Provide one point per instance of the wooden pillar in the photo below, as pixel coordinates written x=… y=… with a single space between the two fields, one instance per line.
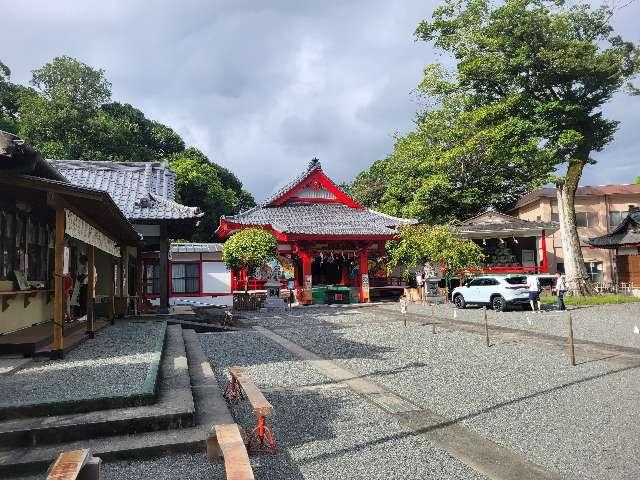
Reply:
x=123 y=266
x=544 y=268
x=164 y=270
x=364 y=277
x=58 y=313
x=91 y=290
x=307 y=279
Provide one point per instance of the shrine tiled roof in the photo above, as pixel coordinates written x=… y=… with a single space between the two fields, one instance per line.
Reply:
x=321 y=219
x=496 y=222
x=627 y=233
x=142 y=190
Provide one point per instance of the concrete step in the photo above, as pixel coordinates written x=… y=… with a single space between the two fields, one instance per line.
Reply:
x=36 y=460
x=199 y=326
x=174 y=409
x=210 y=409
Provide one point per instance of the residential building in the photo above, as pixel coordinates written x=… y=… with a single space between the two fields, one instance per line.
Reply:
x=599 y=209
x=625 y=240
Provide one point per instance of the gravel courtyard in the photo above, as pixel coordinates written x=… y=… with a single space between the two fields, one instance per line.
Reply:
x=322 y=427
x=576 y=421
x=613 y=324
x=115 y=363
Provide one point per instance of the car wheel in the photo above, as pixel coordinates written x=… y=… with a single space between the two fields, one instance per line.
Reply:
x=459 y=302
x=498 y=303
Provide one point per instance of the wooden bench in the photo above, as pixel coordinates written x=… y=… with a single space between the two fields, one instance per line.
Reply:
x=239 y=386
x=75 y=465
x=226 y=441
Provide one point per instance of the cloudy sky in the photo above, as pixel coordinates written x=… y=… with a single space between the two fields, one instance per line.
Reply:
x=262 y=86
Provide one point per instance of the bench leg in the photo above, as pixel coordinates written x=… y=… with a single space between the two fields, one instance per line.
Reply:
x=258 y=436
x=232 y=391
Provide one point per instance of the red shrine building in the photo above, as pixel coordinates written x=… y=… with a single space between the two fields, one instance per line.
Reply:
x=328 y=237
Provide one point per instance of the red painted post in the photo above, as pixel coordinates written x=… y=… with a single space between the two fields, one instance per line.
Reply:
x=364 y=277
x=345 y=274
x=307 y=279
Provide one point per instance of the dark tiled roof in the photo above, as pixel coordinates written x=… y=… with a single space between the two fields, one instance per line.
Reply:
x=292 y=182
x=321 y=219
x=497 y=222
x=142 y=190
x=598 y=190
x=627 y=233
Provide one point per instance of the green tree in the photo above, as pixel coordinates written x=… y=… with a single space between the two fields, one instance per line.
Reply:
x=8 y=101
x=440 y=244
x=202 y=183
x=56 y=115
x=552 y=67
x=456 y=163
x=249 y=249
x=638 y=180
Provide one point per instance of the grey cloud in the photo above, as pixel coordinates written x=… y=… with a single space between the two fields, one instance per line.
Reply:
x=263 y=86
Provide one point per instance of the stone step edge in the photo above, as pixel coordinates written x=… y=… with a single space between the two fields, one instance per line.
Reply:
x=145 y=396
x=174 y=409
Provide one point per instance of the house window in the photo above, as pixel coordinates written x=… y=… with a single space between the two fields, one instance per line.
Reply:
x=586 y=219
x=594 y=270
x=152 y=279
x=615 y=217
x=555 y=217
x=185 y=277
x=560 y=267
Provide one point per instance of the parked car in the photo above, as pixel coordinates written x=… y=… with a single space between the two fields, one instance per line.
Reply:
x=496 y=291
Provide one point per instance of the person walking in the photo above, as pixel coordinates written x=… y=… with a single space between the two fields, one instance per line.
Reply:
x=560 y=288
x=533 y=285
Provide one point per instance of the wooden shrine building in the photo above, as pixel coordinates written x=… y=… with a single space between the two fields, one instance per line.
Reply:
x=512 y=245
x=46 y=224
x=145 y=194
x=329 y=238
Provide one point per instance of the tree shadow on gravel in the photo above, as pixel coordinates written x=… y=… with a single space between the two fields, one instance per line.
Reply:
x=448 y=423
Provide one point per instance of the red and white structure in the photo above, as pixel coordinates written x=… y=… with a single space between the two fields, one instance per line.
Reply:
x=327 y=236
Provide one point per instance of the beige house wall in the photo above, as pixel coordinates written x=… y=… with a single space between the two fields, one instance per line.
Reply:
x=543 y=208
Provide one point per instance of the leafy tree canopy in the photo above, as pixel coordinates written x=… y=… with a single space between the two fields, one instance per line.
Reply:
x=525 y=97
x=209 y=186
x=8 y=101
x=67 y=113
x=419 y=244
x=250 y=249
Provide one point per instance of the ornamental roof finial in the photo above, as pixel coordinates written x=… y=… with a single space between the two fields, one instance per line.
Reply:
x=314 y=163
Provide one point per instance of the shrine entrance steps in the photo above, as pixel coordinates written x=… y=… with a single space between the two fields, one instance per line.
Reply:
x=188 y=402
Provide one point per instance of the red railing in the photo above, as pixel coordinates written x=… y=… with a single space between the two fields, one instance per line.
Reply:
x=253 y=284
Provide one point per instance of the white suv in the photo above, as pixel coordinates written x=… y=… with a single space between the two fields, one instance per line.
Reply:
x=496 y=291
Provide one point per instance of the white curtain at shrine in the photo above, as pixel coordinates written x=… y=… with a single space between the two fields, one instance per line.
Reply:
x=78 y=228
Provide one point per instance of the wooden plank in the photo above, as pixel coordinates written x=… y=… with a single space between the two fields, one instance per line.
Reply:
x=261 y=406
x=58 y=306
x=68 y=465
x=236 y=459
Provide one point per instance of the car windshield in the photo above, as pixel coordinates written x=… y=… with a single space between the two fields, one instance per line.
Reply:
x=516 y=280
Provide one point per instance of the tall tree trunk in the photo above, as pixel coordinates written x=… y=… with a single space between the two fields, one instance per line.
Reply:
x=578 y=281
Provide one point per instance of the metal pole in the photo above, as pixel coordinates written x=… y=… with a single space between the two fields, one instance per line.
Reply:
x=571 y=347
x=486 y=326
